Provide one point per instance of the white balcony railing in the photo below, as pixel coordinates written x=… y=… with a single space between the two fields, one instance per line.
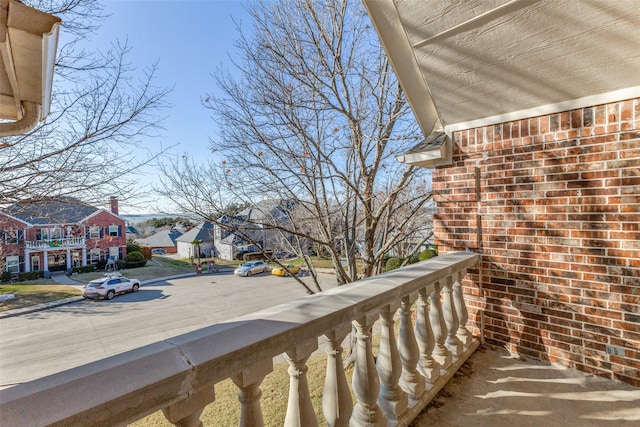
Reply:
x=178 y=375
x=46 y=245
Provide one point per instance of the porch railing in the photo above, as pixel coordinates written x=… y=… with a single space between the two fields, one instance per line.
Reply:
x=67 y=242
x=178 y=375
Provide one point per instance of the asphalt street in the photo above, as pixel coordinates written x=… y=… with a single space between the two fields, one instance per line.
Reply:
x=42 y=343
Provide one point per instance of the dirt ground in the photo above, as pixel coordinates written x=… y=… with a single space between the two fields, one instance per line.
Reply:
x=494 y=389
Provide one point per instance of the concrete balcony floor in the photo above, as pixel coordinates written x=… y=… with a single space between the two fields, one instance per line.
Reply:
x=494 y=389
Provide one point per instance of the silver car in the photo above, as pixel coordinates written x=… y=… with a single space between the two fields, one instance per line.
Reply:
x=251 y=267
x=109 y=286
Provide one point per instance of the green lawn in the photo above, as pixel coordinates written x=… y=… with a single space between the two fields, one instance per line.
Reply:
x=34 y=292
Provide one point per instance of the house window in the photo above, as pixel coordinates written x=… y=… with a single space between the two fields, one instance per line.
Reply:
x=42 y=234
x=114 y=252
x=114 y=230
x=11 y=236
x=94 y=232
x=55 y=234
x=13 y=264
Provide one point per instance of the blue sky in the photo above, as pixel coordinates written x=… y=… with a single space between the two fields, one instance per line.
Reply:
x=188 y=39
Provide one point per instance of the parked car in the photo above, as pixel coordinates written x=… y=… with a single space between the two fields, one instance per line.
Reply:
x=251 y=267
x=158 y=251
x=283 y=254
x=281 y=271
x=110 y=286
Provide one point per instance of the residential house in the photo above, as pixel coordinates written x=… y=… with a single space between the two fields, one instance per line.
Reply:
x=131 y=232
x=55 y=235
x=163 y=239
x=252 y=229
x=197 y=242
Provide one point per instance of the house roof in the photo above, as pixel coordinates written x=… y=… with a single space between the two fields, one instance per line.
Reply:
x=466 y=64
x=61 y=211
x=265 y=211
x=202 y=232
x=163 y=238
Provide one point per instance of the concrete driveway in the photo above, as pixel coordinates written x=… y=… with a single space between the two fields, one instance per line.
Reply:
x=41 y=343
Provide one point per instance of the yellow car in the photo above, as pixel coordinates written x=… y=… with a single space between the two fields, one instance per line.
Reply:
x=280 y=271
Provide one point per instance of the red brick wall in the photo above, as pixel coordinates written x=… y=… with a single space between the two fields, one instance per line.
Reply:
x=6 y=223
x=104 y=220
x=553 y=205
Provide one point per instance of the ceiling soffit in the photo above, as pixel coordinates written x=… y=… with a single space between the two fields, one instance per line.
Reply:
x=472 y=63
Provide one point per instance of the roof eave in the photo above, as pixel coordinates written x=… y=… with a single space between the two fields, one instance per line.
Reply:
x=393 y=38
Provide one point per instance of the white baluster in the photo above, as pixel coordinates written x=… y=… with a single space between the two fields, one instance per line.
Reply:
x=426 y=341
x=440 y=353
x=337 y=405
x=248 y=381
x=411 y=381
x=451 y=319
x=463 y=334
x=300 y=411
x=391 y=399
x=366 y=384
x=186 y=413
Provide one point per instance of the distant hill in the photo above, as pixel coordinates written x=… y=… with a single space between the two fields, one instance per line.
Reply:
x=140 y=218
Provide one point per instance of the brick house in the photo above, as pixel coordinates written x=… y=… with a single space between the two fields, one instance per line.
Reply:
x=55 y=235
x=531 y=112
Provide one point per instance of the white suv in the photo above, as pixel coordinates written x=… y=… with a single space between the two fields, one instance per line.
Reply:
x=109 y=286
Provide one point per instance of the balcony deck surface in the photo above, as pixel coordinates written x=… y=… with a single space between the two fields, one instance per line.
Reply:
x=493 y=389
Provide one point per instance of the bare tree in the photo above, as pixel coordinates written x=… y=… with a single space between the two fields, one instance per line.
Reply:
x=313 y=114
x=102 y=111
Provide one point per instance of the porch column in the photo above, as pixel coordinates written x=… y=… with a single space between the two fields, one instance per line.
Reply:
x=426 y=341
x=186 y=413
x=27 y=260
x=440 y=352
x=463 y=334
x=392 y=400
x=68 y=258
x=365 y=381
x=300 y=412
x=248 y=381
x=337 y=405
x=451 y=319
x=411 y=381
x=45 y=261
x=84 y=255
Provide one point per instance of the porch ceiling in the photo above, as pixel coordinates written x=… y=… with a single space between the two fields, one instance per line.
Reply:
x=471 y=63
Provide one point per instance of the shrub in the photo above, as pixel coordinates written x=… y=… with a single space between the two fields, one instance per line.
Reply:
x=133 y=259
x=32 y=275
x=84 y=269
x=392 y=264
x=427 y=253
x=414 y=258
x=253 y=256
x=5 y=276
x=134 y=256
x=133 y=246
